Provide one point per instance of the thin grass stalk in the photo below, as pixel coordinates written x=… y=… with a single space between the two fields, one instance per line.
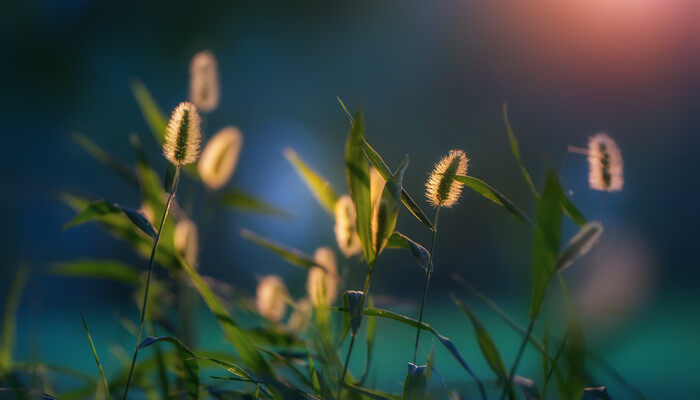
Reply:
x=171 y=194
x=425 y=283
x=518 y=356
x=556 y=359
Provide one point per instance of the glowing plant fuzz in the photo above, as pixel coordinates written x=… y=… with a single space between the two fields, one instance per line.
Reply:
x=345 y=228
x=219 y=157
x=441 y=189
x=271 y=298
x=182 y=135
x=301 y=316
x=322 y=283
x=604 y=163
x=204 y=81
x=186 y=241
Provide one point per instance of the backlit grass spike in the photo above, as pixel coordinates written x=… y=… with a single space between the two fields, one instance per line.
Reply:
x=441 y=189
x=204 y=81
x=604 y=163
x=182 y=135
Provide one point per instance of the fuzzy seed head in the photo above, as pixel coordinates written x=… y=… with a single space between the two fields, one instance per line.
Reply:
x=441 y=189
x=182 y=135
x=204 y=81
x=345 y=228
x=271 y=298
x=220 y=157
x=322 y=283
x=186 y=241
x=301 y=316
x=604 y=164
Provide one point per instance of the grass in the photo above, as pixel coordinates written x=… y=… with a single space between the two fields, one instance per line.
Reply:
x=305 y=359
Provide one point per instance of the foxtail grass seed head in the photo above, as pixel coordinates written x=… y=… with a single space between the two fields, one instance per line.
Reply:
x=345 y=228
x=204 y=81
x=220 y=157
x=186 y=241
x=301 y=316
x=271 y=298
x=322 y=283
x=441 y=189
x=604 y=164
x=182 y=135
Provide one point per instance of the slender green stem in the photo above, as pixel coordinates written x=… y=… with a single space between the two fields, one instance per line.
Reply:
x=511 y=374
x=554 y=362
x=345 y=368
x=171 y=194
x=425 y=283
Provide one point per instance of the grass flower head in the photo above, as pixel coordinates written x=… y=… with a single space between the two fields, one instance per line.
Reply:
x=204 y=81
x=604 y=163
x=182 y=135
x=301 y=316
x=345 y=228
x=441 y=189
x=220 y=156
x=186 y=241
x=322 y=283
x=271 y=298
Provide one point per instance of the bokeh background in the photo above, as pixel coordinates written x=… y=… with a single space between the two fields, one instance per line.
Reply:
x=430 y=76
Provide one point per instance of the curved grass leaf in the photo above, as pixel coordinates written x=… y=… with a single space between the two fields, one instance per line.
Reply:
x=378 y=163
x=105 y=383
x=293 y=256
x=9 y=319
x=579 y=245
x=94 y=268
x=575 y=382
x=237 y=336
x=152 y=113
x=100 y=208
x=357 y=176
x=398 y=240
x=105 y=158
x=515 y=149
x=319 y=187
x=372 y=394
x=545 y=248
x=571 y=210
x=384 y=219
x=494 y=195
x=232 y=368
x=189 y=363
x=243 y=201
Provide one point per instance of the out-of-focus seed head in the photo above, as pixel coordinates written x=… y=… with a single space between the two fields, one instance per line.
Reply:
x=322 y=283
x=301 y=316
x=345 y=228
x=441 y=189
x=182 y=135
x=186 y=241
x=204 y=81
x=604 y=164
x=271 y=298
x=220 y=157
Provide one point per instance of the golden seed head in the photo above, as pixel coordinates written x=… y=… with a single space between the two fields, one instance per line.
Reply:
x=271 y=298
x=301 y=316
x=322 y=283
x=604 y=164
x=345 y=228
x=182 y=135
x=441 y=189
x=204 y=81
x=186 y=241
x=220 y=156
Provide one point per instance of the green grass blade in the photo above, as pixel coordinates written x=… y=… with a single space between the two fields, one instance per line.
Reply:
x=372 y=394
x=398 y=240
x=371 y=332
x=236 y=335
x=246 y=202
x=388 y=209
x=9 y=319
x=105 y=158
x=571 y=210
x=95 y=268
x=545 y=249
x=378 y=163
x=105 y=383
x=494 y=195
x=152 y=113
x=515 y=149
x=293 y=256
x=357 y=176
x=100 y=208
x=188 y=359
x=575 y=380
x=320 y=188
x=579 y=245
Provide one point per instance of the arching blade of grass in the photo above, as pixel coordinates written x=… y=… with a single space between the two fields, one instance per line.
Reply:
x=277 y=356
x=94 y=268
x=372 y=394
x=293 y=256
x=101 y=208
x=398 y=240
x=152 y=113
x=105 y=158
x=388 y=208
x=515 y=149
x=494 y=195
x=9 y=319
x=378 y=163
x=188 y=359
x=486 y=344
x=235 y=334
x=571 y=210
x=357 y=176
x=243 y=201
x=579 y=245
x=105 y=383
x=320 y=188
